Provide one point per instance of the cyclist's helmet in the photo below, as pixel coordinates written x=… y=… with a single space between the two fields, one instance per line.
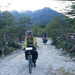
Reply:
x=29 y=32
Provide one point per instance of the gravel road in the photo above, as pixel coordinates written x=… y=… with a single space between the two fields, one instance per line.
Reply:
x=49 y=61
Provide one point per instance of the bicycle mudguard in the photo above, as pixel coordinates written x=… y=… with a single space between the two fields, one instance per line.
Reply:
x=29 y=48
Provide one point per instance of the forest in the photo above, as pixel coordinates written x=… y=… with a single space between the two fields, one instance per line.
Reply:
x=57 y=29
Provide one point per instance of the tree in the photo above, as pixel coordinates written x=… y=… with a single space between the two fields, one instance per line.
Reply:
x=72 y=12
x=1 y=20
x=42 y=24
x=24 y=20
x=38 y=31
x=23 y=24
x=6 y=19
x=57 y=27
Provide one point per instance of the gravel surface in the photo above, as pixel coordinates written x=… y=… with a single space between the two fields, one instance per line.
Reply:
x=48 y=62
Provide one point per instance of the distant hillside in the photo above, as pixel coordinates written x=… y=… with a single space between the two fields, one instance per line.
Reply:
x=38 y=16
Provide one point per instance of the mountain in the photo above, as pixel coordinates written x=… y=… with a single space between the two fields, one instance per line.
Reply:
x=16 y=14
x=43 y=15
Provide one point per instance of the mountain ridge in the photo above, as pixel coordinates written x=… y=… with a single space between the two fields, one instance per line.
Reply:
x=38 y=16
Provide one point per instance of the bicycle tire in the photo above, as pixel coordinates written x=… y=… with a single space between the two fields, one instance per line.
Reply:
x=30 y=64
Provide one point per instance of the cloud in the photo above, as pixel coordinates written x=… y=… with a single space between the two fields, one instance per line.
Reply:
x=32 y=4
x=21 y=5
x=6 y=6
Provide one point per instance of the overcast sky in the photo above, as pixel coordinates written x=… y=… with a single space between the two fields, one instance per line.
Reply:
x=32 y=5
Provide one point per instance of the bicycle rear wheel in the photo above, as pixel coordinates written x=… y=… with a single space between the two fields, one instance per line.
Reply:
x=30 y=64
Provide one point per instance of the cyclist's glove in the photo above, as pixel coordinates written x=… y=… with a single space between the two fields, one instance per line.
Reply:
x=24 y=49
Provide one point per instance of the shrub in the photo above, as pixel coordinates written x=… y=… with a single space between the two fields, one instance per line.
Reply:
x=58 y=46
x=67 y=46
x=13 y=44
x=9 y=47
x=7 y=51
x=72 y=54
x=54 y=40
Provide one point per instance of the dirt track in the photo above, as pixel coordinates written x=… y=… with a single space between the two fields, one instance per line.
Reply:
x=48 y=63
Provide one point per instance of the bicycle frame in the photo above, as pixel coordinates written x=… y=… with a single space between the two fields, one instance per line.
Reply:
x=30 y=63
x=30 y=60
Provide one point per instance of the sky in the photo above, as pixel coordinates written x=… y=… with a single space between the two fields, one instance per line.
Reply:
x=23 y=5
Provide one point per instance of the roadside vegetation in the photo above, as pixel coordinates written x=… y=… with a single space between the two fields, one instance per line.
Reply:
x=57 y=29
x=9 y=26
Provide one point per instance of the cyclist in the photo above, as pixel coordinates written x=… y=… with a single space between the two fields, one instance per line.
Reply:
x=30 y=41
x=44 y=37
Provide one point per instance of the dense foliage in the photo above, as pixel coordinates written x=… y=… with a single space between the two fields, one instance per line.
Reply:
x=72 y=12
x=8 y=25
x=57 y=28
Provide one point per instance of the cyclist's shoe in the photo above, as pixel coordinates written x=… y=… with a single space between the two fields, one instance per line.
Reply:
x=34 y=64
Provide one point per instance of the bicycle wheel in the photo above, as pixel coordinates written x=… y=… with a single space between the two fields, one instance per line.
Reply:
x=30 y=64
